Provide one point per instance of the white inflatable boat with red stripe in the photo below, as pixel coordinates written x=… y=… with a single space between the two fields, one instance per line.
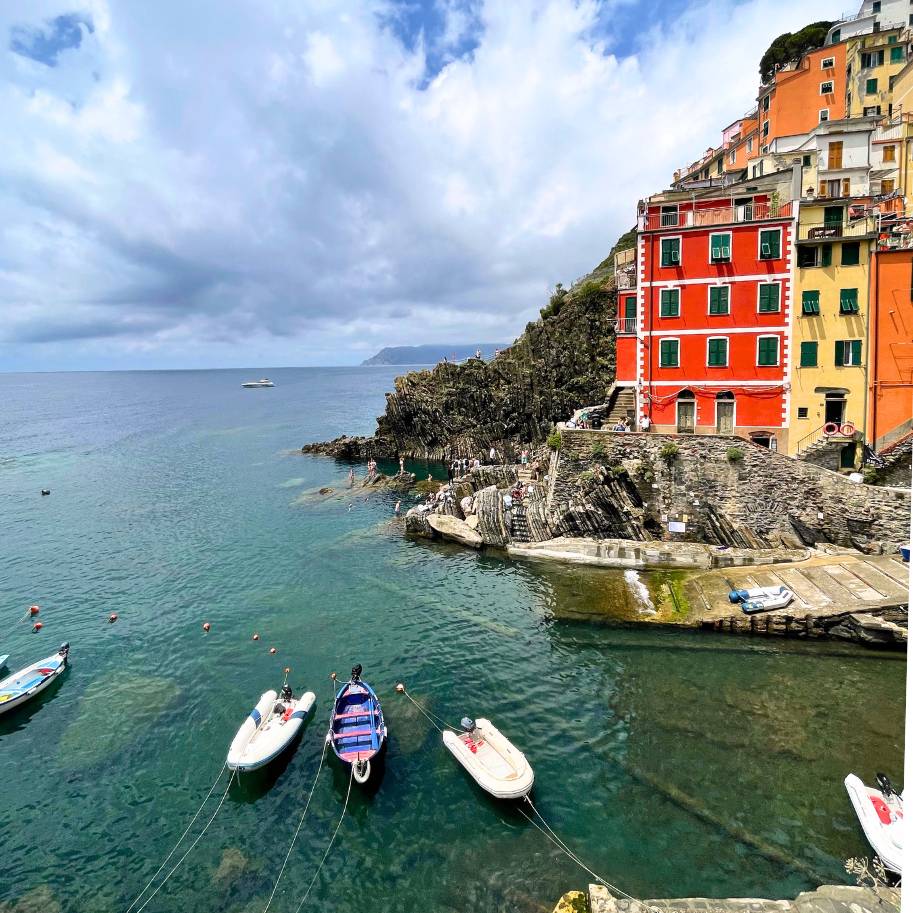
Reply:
x=880 y=812
x=269 y=729
x=492 y=761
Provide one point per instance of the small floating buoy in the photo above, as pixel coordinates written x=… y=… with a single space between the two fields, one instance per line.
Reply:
x=37 y=626
x=256 y=636
x=112 y=617
x=400 y=687
x=33 y=610
x=333 y=676
x=206 y=626
x=272 y=650
x=45 y=491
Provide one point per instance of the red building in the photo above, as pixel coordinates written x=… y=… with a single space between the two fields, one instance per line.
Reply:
x=708 y=349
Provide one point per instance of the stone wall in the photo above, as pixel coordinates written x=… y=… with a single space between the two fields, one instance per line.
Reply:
x=632 y=485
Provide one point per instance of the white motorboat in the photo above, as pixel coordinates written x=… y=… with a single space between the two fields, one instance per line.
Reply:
x=269 y=729
x=762 y=598
x=491 y=760
x=253 y=384
x=880 y=812
x=3 y=660
x=22 y=686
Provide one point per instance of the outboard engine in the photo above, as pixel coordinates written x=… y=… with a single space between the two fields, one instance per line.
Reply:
x=64 y=650
x=468 y=724
x=356 y=672
x=286 y=692
x=885 y=785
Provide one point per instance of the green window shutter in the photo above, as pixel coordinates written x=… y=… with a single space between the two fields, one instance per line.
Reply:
x=717 y=352
x=630 y=307
x=897 y=55
x=839 y=353
x=769 y=298
x=849 y=253
x=720 y=247
x=811 y=302
x=849 y=301
x=770 y=244
x=669 y=302
x=826 y=254
x=871 y=86
x=719 y=299
x=668 y=353
x=856 y=352
x=768 y=349
x=808 y=355
x=670 y=252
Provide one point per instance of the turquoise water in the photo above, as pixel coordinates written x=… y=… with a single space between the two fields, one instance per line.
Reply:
x=675 y=763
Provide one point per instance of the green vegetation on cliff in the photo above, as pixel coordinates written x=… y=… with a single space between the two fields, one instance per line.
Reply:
x=790 y=46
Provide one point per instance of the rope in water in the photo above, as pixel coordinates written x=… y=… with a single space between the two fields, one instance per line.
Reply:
x=180 y=839
x=430 y=716
x=323 y=755
x=196 y=840
x=558 y=842
x=16 y=624
x=332 y=840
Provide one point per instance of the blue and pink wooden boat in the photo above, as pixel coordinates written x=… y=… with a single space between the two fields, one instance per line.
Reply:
x=22 y=686
x=357 y=728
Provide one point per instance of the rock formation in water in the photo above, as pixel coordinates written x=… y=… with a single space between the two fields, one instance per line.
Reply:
x=561 y=362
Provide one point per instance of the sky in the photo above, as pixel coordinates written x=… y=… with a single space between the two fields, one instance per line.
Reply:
x=265 y=183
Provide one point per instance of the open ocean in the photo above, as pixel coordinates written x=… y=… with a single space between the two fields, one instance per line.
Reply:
x=674 y=763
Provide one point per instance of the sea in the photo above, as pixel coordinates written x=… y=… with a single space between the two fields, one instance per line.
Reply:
x=670 y=762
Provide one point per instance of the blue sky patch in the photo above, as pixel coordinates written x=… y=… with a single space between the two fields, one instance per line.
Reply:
x=46 y=43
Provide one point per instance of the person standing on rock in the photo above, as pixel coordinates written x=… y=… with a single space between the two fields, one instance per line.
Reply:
x=402 y=466
x=396 y=509
x=491 y=455
x=524 y=457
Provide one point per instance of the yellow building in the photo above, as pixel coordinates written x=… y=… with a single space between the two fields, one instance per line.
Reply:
x=872 y=63
x=901 y=128
x=828 y=349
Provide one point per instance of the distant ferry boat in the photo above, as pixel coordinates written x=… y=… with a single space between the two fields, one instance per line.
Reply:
x=263 y=382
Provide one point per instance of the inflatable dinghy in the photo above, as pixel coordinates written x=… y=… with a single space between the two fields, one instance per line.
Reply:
x=762 y=598
x=491 y=760
x=880 y=812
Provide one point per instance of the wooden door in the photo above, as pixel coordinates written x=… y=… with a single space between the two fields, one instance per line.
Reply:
x=725 y=417
x=685 y=416
x=835 y=155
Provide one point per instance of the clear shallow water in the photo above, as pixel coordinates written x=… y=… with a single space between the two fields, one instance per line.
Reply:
x=677 y=764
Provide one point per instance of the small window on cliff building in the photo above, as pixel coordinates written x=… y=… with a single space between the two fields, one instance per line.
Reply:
x=802 y=412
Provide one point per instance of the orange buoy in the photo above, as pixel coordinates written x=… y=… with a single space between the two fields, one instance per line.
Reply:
x=272 y=649
x=287 y=670
x=206 y=626
x=112 y=617
x=37 y=626
x=33 y=610
x=256 y=636
x=400 y=687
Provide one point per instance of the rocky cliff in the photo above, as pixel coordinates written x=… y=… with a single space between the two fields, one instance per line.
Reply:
x=561 y=362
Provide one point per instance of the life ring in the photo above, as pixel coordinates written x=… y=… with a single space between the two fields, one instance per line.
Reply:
x=831 y=428
x=847 y=429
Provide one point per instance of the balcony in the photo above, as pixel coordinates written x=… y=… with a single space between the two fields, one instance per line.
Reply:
x=834 y=231
x=626 y=278
x=625 y=326
x=726 y=215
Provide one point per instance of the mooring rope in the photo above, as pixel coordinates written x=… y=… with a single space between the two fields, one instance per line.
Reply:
x=430 y=716
x=323 y=755
x=16 y=623
x=180 y=839
x=189 y=850
x=332 y=839
x=558 y=842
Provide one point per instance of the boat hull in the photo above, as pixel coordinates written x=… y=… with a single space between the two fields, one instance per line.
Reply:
x=20 y=687
x=882 y=821
x=268 y=731
x=491 y=760
x=765 y=599
x=357 y=729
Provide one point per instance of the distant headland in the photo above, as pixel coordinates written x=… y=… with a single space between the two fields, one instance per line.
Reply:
x=432 y=354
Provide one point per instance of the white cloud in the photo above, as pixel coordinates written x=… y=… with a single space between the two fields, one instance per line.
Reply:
x=202 y=184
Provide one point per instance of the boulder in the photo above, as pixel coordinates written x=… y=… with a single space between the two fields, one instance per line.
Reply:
x=454 y=529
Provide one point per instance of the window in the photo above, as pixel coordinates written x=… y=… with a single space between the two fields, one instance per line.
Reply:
x=869 y=59
x=765 y=105
x=719 y=299
x=670 y=251
x=871 y=86
x=768 y=297
x=732 y=157
x=669 y=302
x=826 y=254
x=872 y=111
x=826 y=88
x=889 y=154
x=849 y=301
x=876 y=6
x=768 y=351
x=823 y=115
x=811 y=303
x=897 y=54
x=765 y=128
x=887 y=186
x=835 y=37
x=720 y=247
x=806 y=256
x=848 y=353
x=750 y=143
x=668 y=353
x=845 y=187
x=769 y=241
x=849 y=254
x=802 y=412
x=835 y=155
x=892 y=39
x=668 y=215
x=717 y=352
x=827 y=63
x=808 y=355
x=806 y=161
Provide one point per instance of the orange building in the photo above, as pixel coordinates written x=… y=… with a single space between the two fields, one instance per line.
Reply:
x=801 y=97
x=890 y=412
x=740 y=142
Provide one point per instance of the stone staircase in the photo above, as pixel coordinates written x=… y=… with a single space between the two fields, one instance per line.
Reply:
x=620 y=405
x=519 y=525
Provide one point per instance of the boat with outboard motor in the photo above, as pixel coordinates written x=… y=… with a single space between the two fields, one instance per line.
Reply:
x=880 y=812
x=255 y=384
x=3 y=660
x=269 y=728
x=22 y=686
x=357 y=729
x=491 y=759
x=762 y=598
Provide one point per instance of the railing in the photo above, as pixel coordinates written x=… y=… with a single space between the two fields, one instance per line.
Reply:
x=625 y=326
x=826 y=231
x=725 y=215
x=829 y=430
x=626 y=279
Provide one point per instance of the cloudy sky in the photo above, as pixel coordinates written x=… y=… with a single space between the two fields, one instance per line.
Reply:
x=262 y=183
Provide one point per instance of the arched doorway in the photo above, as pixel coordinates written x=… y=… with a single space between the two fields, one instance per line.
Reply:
x=725 y=412
x=685 y=412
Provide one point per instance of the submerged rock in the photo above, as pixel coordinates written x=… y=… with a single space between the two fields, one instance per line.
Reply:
x=455 y=529
x=37 y=900
x=232 y=866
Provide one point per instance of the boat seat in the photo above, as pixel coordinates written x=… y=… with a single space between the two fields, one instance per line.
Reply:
x=351 y=713
x=353 y=733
